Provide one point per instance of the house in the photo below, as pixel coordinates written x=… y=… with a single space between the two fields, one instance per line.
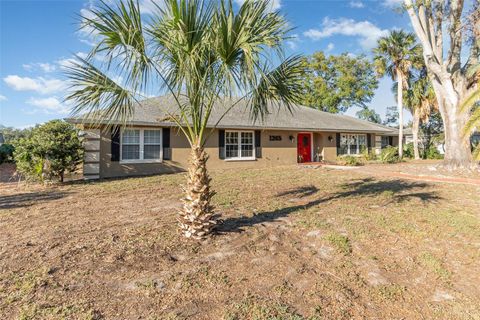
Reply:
x=150 y=144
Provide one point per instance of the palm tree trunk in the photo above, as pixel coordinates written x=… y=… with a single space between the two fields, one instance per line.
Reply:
x=415 y=126
x=197 y=218
x=400 y=112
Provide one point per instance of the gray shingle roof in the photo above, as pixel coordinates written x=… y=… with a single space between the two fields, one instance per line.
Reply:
x=152 y=112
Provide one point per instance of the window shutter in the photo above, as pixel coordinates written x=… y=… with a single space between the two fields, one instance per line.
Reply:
x=369 y=142
x=390 y=141
x=221 y=144
x=167 y=151
x=115 y=144
x=258 y=144
x=338 y=143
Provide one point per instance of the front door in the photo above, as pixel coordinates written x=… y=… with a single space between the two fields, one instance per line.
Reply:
x=304 y=147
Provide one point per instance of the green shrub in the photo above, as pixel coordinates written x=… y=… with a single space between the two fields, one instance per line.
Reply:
x=49 y=151
x=6 y=153
x=369 y=155
x=432 y=153
x=408 y=151
x=349 y=161
x=389 y=154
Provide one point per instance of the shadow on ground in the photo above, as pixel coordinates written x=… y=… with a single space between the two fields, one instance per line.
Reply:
x=28 y=199
x=399 y=190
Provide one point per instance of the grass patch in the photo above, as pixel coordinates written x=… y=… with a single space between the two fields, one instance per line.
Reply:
x=435 y=265
x=391 y=292
x=34 y=311
x=256 y=308
x=340 y=242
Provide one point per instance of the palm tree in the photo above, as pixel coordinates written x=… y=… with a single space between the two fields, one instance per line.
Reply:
x=395 y=54
x=421 y=101
x=203 y=53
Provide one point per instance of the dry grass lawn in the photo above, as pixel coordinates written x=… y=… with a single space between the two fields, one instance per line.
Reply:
x=296 y=243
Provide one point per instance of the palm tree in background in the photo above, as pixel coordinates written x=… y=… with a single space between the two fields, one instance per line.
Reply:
x=203 y=53
x=395 y=54
x=421 y=102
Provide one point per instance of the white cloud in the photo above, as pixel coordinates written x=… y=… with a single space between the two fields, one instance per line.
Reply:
x=148 y=6
x=45 y=67
x=330 y=47
x=293 y=42
x=392 y=3
x=86 y=30
x=367 y=32
x=3 y=98
x=39 y=84
x=50 y=105
x=275 y=4
x=356 y=4
x=67 y=62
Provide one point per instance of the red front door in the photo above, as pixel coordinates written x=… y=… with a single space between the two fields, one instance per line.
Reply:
x=304 y=147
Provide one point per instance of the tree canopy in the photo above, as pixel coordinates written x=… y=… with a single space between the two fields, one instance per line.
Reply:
x=335 y=83
x=369 y=115
x=49 y=151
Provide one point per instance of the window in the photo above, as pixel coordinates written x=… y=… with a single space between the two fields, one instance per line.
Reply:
x=151 y=144
x=385 y=141
x=131 y=145
x=352 y=143
x=239 y=145
x=141 y=145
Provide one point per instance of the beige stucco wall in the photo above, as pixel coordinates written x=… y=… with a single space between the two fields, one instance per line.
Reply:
x=273 y=153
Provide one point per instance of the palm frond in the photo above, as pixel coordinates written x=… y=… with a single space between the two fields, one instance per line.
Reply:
x=96 y=97
x=474 y=119
x=121 y=40
x=280 y=86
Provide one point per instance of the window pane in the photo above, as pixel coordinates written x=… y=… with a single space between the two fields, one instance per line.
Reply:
x=247 y=150
x=353 y=144
x=247 y=144
x=151 y=152
x=231 y=151
x=231 y=144
x=231 y=137
x=130 y=152
x=151 y=136
x=247 y=138
x=131 y=136
x=343 y=144
x=385 y=141
x=362 y=143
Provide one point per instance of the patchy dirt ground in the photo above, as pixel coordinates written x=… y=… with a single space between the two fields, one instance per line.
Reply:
x=296 y=243
x=425 y=169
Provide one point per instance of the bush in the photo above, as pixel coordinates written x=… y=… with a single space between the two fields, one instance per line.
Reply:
x=389 y=154
x=408 y=151
x=49 y=151
x=369 y=155
x=432 y=153
x=349 y=161
x=6 y=153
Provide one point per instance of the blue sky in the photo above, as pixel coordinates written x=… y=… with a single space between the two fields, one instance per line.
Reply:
x=38 y=37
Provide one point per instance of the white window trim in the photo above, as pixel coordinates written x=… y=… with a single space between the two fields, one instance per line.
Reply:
x=240 y=158
x=142 y=144
x=358 y=145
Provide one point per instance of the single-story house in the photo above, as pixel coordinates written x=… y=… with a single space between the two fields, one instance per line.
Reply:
x=150 y=144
